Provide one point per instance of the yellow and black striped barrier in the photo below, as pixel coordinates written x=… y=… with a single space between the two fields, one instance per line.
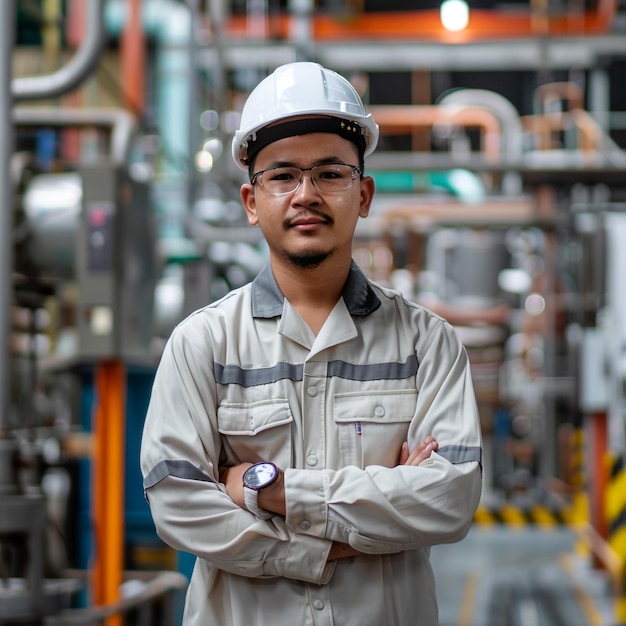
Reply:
x=532 y=515
x=572 y=511
x=616 y=521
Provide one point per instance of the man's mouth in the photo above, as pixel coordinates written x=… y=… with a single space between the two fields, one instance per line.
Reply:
x=308 y=222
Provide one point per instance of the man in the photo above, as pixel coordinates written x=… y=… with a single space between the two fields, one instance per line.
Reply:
x=311 y=434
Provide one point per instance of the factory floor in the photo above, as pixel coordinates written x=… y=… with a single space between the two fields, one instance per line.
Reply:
x=532 y=576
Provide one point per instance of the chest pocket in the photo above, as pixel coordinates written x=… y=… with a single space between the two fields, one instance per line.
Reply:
x=256 y=432
x=373 y=425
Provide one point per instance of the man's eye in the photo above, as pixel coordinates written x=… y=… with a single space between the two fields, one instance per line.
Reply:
x=281 y=175
x=330 y=174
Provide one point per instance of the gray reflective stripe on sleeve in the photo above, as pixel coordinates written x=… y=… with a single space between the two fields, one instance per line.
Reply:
x=461 y=454
x=178 y=469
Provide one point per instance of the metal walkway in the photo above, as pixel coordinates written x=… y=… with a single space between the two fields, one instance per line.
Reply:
x=505 y=576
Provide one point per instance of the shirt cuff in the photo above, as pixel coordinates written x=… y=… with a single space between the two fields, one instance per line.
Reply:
x=305 y=500
x=307 y=560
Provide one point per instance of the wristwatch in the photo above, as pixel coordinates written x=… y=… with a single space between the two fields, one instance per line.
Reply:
x=255 y=478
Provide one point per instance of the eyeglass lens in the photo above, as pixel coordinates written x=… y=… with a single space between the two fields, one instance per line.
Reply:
x=283 y=180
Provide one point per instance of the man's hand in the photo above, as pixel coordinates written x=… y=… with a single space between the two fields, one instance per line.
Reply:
x=342 y=551
x=420 y=453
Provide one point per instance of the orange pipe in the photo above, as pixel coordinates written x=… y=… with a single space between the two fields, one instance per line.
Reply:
x=562 y=90
x=108 y=485
x=590 y=135
x=548 y=126
x=600 y=472
x=406 y=118
x=426 y=25
x=132 y=59
x=74 y=32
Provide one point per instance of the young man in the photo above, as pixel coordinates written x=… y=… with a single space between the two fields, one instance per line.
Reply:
x=311 y=434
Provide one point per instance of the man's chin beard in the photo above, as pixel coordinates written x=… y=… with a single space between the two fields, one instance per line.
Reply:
x=307 y=260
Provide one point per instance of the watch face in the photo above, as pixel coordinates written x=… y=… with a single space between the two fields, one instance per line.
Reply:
x=260 y=475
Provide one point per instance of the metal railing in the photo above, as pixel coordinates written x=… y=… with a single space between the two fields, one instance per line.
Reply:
x=153 y=604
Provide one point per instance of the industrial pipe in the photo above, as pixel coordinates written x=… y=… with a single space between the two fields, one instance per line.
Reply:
x=170 y=24
x=426 y=25
x=512 y=132
x=75 y=71
x=7 y=139
x=121 y=123
x=403 y=119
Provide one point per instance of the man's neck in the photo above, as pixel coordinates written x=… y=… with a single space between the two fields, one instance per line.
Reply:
x=313 y=292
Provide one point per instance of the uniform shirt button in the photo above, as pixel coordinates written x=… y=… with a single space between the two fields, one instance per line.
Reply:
x=305 y=524
x=318 y=604
x=311 y=391
x=379 y=411
x=311 y=459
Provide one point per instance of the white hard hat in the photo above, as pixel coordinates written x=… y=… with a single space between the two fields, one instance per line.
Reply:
x=297 y=89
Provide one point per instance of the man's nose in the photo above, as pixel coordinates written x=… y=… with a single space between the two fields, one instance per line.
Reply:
x=306 y=184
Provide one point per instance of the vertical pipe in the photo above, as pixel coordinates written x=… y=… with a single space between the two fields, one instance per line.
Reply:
x=596 y=426
x=551 y=367
x=51 y=32
x=194 y=96
x=74 y=34
x=7 y=24
x=133 y=58
x=108 y=484
x=218 y=16
x=301 y=29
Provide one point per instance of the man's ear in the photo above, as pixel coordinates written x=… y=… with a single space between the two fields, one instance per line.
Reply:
x=368 y=189
x=248 y=200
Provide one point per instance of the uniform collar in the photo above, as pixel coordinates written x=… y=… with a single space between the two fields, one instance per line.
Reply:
x=268 y=300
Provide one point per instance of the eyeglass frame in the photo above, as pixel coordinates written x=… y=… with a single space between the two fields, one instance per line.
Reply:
x=356 y=169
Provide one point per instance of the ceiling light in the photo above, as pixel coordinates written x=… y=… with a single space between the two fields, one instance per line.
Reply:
x=454 y=15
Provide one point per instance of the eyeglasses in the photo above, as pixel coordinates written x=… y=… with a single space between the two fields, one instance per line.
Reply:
x=280 y=181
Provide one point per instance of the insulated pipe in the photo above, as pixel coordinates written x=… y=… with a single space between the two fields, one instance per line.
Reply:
x=402 y=119
x=502 y=108
x=170 y=24
x=7 y=139
x=512 y=136
x=75 y=71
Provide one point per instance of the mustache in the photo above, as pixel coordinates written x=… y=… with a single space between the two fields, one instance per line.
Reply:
x=305 y=214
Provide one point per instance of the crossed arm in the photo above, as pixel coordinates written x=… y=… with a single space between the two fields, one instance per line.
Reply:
x=272 y=498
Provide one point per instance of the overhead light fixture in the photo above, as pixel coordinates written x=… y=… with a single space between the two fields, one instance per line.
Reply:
x=454 y=15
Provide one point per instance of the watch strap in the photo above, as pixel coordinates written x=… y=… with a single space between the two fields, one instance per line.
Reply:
x=251 y=500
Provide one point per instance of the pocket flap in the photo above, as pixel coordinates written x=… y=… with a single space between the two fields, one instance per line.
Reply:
x=375 y=406
x=250 y=419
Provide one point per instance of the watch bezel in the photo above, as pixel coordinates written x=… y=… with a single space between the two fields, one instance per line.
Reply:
x=267 y=483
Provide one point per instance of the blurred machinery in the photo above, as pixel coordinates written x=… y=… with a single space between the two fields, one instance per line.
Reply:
x=84 y=281
x=511 y=226
x=83 y=264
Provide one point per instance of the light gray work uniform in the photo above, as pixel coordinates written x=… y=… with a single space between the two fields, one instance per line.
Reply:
x=245 y=379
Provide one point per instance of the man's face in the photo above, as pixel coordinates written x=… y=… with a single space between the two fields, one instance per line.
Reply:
x=308 y=226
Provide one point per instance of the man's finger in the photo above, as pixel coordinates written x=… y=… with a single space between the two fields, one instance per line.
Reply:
x=422 y=451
